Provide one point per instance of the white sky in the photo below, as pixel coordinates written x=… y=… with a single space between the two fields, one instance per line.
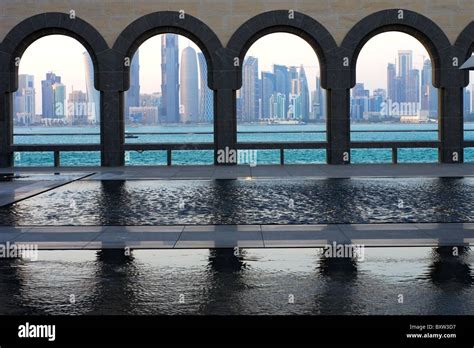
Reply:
x=63 y=55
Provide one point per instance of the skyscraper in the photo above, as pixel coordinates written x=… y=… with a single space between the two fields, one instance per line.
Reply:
x=53 y=97
x=282 y=82
x=472 y=98
x=250 y=90
x=47 y=95
x=277 y=106
x=319 y=101
x=206 y=107
x=429 y=94
x=294 y=107
x=392 y=87
x=93 y=95
x=413 y=86
x=405 y=62
x=268 y=88
x=169 y=110
x=292 y=73
x=59 y=96
x=359 y=102
x=189 y=86
x=304 y=94
x=77 y=107
x=467 y=102
x=132 y=96
x=24 y=100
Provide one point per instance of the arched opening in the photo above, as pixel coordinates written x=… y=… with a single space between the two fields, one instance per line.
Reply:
x=281 y=101
x=56 y=102
x=468 y=112
x=169 y=102
x=394 y=100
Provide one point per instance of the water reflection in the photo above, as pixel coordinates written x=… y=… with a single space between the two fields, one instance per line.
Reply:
x=155 y=202
x=339 y=276
x=226 y=282
x=116 y=282
x=450 y=267
x=257 y=281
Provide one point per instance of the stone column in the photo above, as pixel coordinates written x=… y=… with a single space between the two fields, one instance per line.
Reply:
x=225 y=125
x=338 y=126
x=112 y=129
x=6 y=129
x=451 y=125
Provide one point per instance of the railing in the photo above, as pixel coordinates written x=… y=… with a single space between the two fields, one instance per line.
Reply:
x=394 y=145
x=255 y=145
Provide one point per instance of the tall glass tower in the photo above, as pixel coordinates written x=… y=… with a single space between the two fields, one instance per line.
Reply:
x=48 y=99
x=93 y=95
x=304 y=94
x=250 y=90
x=189 y=86
x=132 y=97
x=206 y=107
x=169 y=110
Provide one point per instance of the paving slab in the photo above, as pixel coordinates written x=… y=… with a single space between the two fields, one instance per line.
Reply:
x=245 y=236
x=450 y=234
x=222 y=236
x=293 y=170
x=387 y=235
x=280 y=236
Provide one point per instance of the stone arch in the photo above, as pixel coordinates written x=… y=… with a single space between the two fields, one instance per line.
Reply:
x=52 y=23
x=167 y=22
x=406 y=21
x=465 y=47
x=315 y=34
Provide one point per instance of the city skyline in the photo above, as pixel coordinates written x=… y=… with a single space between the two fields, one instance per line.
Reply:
x=204 y=97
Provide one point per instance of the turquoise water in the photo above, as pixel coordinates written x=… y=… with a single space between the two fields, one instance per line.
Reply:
x=247 y=133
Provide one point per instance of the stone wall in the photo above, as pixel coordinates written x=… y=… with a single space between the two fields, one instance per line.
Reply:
x=110 y=17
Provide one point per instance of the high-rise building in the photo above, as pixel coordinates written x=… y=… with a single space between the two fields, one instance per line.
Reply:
x=360 y=91
x=93 y=95
x=24 y=101
x=319 y=102
x=429 y=94
x=376 y=100
x=392 y=82
x=59 y=96
x=277 y=106
x=294 y=111
x=78 y=112
x=405 y=65
x=132 y=96
x=153 y=99
x=47 y=95
x=169 y=110
x=268 y=89
x=359 y=102
x=189 y=86
x=413 y=86
x=472 y=98
x=293 y=73
x=206 y=105
x=250 y=90
x=304 y=94
x=282 y=82
x=467 y=102
x=144 y=114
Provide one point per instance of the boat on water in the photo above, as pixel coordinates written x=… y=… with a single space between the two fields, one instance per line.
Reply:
x=285 y=122
x=131 y=136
